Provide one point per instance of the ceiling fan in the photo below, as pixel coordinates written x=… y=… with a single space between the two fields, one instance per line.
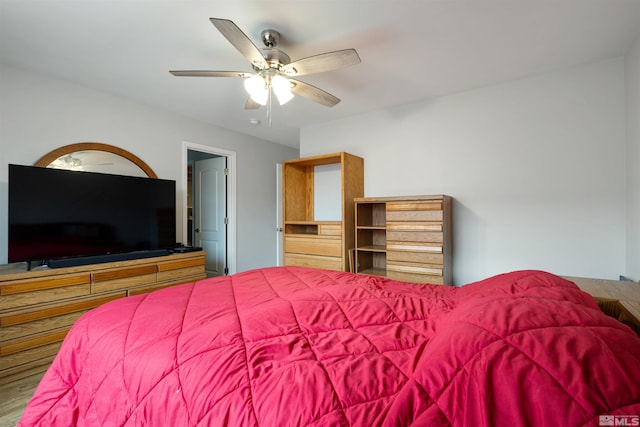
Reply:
x=273 y=69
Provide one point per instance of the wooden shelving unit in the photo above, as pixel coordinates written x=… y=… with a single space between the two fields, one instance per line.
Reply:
x=404 y=238
x=316 y=243
x=371 y=238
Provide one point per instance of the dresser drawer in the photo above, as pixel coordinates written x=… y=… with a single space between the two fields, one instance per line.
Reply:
x=334 y=230
x=424 y=211
x=415 y=231
x=415 y=236
x=430 y=226
x=51 y=311
x=46 y=295
x=415 y=247
x=182 y=275
x=416 y=268
x=414 y=216
x=21 y=330
x=313 y=261
x=425 y=205
x=12 y=363
x=415 y=278
x=22 y=293
x=123 y=278
x=421 y=257
x=44 y=324
x=313 y=245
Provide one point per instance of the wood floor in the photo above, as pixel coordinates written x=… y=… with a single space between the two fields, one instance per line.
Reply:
x=14 y=397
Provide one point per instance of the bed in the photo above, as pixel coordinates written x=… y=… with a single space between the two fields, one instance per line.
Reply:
x=292 y=346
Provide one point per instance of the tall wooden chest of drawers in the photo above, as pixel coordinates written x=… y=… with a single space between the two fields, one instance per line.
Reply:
x=404 y=238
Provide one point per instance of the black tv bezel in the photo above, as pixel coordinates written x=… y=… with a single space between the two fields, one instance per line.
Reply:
x=164 y=247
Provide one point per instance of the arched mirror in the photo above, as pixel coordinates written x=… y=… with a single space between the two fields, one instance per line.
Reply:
x=96 y=157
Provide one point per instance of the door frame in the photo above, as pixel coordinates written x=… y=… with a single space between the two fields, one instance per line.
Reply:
x=231 y=195
x=279 y=217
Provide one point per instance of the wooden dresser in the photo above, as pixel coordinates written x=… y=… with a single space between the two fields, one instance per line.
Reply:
x=404 y=238
x=37 y=308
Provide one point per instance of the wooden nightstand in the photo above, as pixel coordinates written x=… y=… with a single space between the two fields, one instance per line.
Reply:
x=616 y=298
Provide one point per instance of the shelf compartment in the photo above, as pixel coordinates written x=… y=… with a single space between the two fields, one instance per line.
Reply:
x=304 y=229
x=314 y=228
x=369 y=260
x=298 y=185
x=417 y=211
x=371 y=237
x=371 y=215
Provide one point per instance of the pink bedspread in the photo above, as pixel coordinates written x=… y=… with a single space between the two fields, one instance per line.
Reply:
x=291 y=346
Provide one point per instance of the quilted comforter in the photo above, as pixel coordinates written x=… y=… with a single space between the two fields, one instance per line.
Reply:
x=289 y=346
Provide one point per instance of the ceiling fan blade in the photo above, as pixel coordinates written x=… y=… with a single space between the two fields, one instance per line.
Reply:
x=313 y=93
x=322 y=62
x=208 y=73
x=251 y=104
x=240 y=41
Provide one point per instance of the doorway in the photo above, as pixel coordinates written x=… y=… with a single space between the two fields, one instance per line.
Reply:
x=209 y=206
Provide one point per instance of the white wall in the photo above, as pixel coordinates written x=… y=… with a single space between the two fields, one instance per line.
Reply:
x=632 y=85
x=536 y=168
x=39 y=114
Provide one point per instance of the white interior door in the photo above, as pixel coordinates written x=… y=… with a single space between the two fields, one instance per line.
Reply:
x=209 y=216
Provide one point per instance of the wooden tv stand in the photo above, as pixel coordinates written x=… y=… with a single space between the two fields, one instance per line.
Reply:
x=37 y=308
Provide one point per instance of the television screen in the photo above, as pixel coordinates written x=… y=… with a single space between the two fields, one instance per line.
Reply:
x=55 y=213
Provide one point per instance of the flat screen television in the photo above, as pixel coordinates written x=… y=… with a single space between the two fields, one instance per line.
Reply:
x=60 y=218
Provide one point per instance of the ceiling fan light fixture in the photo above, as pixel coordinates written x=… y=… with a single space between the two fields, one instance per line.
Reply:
x=273 y=68
x=257 y=89
x=282 y=89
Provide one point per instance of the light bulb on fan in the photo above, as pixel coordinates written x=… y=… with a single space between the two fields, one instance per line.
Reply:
x=282 y=89
x=257 y=89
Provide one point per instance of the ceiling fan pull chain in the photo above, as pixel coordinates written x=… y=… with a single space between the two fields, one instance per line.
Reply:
x=269 y=106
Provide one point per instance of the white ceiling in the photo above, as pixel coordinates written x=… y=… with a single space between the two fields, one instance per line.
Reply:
x=410 y=49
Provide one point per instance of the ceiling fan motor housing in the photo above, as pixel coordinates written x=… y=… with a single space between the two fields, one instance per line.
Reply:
x=275 y=58
x=270 y=38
